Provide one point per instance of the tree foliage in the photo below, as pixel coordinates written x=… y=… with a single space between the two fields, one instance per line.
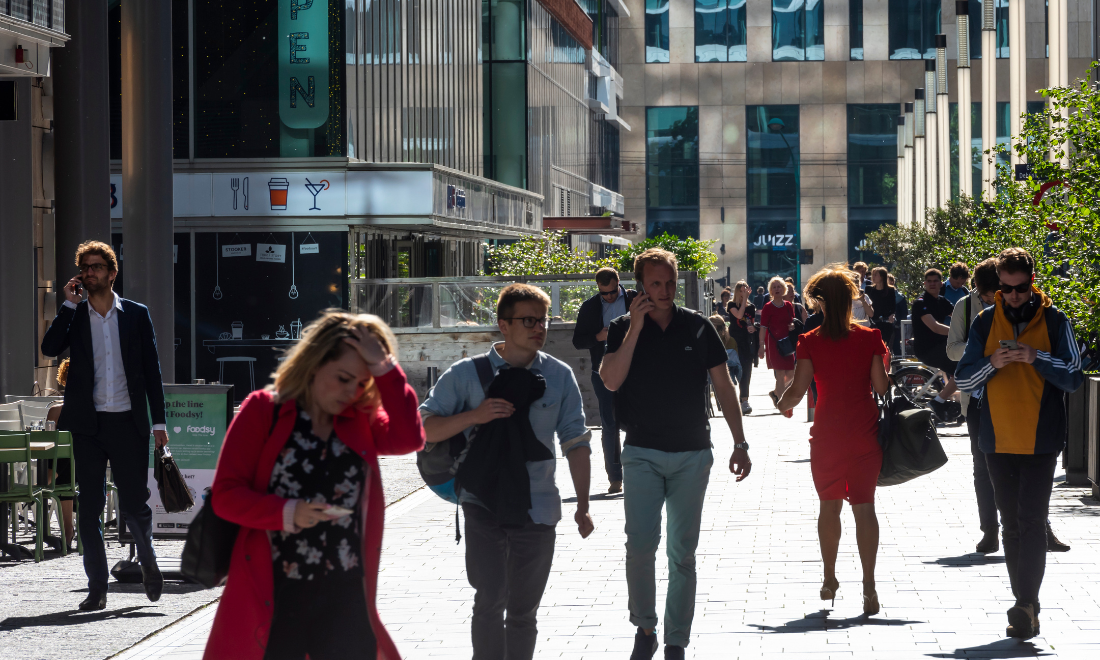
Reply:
x=692 y=255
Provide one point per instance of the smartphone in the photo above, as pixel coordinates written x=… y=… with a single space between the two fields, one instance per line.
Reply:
x=639 y=288
x=1010 y=344
x=338 y=511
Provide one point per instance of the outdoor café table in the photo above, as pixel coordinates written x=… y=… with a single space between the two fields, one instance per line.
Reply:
x=13 y=548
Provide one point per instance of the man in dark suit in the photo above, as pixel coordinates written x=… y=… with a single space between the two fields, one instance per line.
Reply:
x=114 y=376
x=593 y=319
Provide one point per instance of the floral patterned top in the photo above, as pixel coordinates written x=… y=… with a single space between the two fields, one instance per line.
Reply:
x=318 y=471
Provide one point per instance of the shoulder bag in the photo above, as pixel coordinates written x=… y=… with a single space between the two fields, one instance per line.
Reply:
x=910 y=445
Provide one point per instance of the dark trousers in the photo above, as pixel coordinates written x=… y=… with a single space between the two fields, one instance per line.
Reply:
x=983 y=487
x=1022 y=485
x=610 y=435
x=508 y=567
x=325 y=618
x=118 y=441
x=746 y=356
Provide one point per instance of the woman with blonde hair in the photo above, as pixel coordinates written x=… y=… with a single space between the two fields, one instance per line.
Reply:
x=298 y=471
x=777 y=321
x=844 y=359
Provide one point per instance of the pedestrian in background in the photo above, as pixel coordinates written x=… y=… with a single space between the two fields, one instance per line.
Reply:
x=930 y=316
x=743 y=329
x=862 y=309
x=593 y=319
x=1023 y=359
x=955 y=289
x=901 y=313
x=114 y=378
x=733 y=360
x=861 y=268
x=759 y=300
x=776 y=322
x=721 y=304
x=795 y=296
x=298 y=471
x=796 y=300
x=844 y=359
x=883 y=299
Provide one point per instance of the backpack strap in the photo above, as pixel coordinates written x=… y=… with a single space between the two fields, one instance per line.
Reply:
x=484 y=370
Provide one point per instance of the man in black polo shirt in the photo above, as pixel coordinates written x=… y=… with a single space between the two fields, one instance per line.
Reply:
x=657 y=360
x=930 y=327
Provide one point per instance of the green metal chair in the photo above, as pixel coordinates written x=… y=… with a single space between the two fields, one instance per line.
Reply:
x=16 y=448
x=63 y=450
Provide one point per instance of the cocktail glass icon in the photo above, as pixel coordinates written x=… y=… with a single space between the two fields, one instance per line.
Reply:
x=315 y=189
x=278 y=189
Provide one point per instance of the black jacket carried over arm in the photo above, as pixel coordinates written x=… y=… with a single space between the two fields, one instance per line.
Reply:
x=72 y=329
x=495 y=467
x=589 y=324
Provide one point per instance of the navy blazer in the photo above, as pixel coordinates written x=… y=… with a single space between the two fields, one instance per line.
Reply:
x=72 y=329
x=589 y=324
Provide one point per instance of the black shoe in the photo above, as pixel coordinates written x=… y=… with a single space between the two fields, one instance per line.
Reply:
x=1053 y=544
x=645 y=646
x=1022 y=622
x=989 y=544
x=96 y=600
x=674 y=652
x=153 y=581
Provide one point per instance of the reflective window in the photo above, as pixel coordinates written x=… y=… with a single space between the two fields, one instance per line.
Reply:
x=672 y=171
x=773 y=248
x=505 y=75
x=857 y=239
x=773 y=155
x=855 y=29
x=872 y=155
x=798 y=30
x=913 y=28
x=720 y=34
x=1000 y=18
x=656 y=30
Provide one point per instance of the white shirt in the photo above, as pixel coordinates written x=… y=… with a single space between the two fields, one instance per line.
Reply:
x=109 y=389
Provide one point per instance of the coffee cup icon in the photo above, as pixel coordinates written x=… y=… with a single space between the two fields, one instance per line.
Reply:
x=278 y=190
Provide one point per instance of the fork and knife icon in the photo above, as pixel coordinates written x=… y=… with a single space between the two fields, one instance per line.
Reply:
x=235 y=185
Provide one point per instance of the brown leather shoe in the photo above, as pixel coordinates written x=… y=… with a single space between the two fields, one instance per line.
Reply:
x=1053 y=544
x=615 y=487
x=96 y=600
x=1022 y=622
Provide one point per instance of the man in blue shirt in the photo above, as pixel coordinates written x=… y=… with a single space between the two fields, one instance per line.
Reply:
x=508 y=565
x=593 y=320
x=955 y=288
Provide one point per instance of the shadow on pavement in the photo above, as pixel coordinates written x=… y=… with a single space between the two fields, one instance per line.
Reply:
x=170 y=587
x=969 y=559
x=1005 y=648
x=74 y=618
x=821 y=621
x=597 y=496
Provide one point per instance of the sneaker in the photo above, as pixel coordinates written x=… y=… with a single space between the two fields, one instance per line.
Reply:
x=615 y=487
x=1022 y=622
x=939 y=409
x=745 y=408
x=645 y=646
x=674 y=652
x=989 y=544
x=1053 y=544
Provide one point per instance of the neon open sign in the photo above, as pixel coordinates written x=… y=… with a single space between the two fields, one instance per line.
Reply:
x=303 y=63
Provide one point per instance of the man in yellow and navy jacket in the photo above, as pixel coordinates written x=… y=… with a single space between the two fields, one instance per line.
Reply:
x=1023 y=417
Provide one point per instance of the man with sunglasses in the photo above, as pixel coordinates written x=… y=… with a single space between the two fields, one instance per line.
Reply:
x=1021 y=359
x=508 y=565
x=931 y=316
x=593 y=320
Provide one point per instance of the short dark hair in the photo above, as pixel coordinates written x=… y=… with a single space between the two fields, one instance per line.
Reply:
x=959 y=270
x=933 y=271
x=859 y=265
x=1016 y=260
x=606 y=275
x=513 y=294
x=985 y=278
x=100 y=248
x=653 y=256
x=788 y=279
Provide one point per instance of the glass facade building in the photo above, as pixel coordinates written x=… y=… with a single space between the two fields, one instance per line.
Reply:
x=914 y=25
x=656 y=30
x=773 y=164
x=798 y=30
x=720 y=31
x=672 y=171
x=872 y=173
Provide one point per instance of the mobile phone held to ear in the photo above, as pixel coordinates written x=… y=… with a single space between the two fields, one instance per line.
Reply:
x=1010 y=344
x=639 y=288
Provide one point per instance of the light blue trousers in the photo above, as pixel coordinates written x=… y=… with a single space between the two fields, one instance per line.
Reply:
x=654 y=479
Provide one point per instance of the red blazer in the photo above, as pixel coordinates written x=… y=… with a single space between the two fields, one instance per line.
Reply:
x=247 y=459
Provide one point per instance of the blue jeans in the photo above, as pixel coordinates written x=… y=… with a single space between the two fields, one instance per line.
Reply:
x=610 y=435
x=678 y=482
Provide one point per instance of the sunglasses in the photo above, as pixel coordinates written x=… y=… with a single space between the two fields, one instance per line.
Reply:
x=607 y=294
x=1019 y=288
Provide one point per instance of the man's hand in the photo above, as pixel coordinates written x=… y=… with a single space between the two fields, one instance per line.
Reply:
x=491 y=409
x=71 y=291
x=641 y=306
x=1025 y=353
x=601 y=335
x=1001 y=357
x=740 y=463
x=160 y=437
x=584 y=522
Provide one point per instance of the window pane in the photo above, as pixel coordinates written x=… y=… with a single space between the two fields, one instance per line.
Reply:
x=788 y=30
x=872 y=155
x=857 y=239
x=772 y=154
x=656 y=30
x=772 y=250
x=815 y=30
x=672 y=157
x=855 y=29
x=913 y=28
x=509 y=124
x=975 y=29
x=1000 y=18
x=507 y=30
x=711 y=31
x=738 y=33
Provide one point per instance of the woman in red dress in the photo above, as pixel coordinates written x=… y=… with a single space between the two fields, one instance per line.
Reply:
x=776 y=321
x=845 y=360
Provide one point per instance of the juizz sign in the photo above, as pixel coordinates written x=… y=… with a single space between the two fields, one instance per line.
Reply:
x=774 y=240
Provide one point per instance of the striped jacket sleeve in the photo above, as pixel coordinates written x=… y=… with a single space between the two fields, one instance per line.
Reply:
x=975 y=369
x=1061 y=367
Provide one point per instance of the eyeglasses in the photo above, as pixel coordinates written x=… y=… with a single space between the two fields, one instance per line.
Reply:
x=99 y=268
x=1019 y=288
x=531 y=321
x=613 y=292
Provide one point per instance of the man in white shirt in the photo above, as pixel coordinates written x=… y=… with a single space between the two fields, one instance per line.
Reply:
x=114 y=376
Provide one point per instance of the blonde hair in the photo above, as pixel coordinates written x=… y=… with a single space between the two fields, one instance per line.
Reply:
x=653 y=256
x=63 y=372
x=782 y=282
x=322 y=342
x=719 y=324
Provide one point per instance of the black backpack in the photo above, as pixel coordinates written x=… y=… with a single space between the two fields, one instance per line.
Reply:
x=438 y=461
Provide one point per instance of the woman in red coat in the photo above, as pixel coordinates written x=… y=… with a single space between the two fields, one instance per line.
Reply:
x=299 y=473
x=845 y=360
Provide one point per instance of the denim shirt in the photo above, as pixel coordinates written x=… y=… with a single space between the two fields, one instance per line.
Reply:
x=558 y=411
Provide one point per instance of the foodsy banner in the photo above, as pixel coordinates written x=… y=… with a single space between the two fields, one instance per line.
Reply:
x=197 y=418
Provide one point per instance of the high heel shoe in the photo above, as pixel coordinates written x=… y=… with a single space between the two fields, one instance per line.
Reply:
x=870 y=604
x=829 y=592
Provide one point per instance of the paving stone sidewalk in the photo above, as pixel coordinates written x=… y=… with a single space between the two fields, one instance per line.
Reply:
x=759 y=572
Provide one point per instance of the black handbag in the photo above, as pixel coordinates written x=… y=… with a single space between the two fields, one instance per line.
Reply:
x=175 y=495
x=209 y=546
x=910 y=445
x=788 y=345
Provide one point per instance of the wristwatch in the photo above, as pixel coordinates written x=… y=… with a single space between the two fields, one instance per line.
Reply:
x=742 y=445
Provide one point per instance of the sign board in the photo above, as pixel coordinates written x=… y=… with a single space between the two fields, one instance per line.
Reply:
x=271 y=253
x=197 y=417
x=303 y=63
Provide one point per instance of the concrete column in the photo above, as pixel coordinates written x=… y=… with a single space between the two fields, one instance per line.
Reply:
x=962 y=10
x=901 y=170
x=82 y=126
x=920 y=183
x=1017 y=76
x=931 y=137
x=147 y=223
x=908 y=174
x=17 y=267
x=1058 y=62
x=943 y=129
x=989 y=98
